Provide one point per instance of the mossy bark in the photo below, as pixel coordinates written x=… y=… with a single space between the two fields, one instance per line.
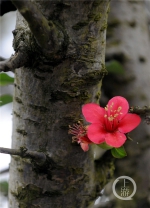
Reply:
x=48 y=96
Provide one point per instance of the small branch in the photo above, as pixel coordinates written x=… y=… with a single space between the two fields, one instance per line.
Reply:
x=145 y=111
x=2 y=59
x=45 y=32
x=37 y=22
x=140 y=111
x=7 y=65
x=4 y=171
x=16 y=61
x=23 y=152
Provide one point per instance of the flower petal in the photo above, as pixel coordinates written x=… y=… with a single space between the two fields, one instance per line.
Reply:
x=119 y=105
x=129 y=122
x=84 y=146
x=115 y=139
x=84 y=139
x=93 y=113
x=96 y=133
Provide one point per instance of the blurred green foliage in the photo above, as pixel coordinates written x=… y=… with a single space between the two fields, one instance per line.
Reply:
x=4 y=188
x=5 y=99
x=5 y=79
x=114 y=67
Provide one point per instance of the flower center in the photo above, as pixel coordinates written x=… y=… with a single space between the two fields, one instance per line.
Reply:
x=111 y=117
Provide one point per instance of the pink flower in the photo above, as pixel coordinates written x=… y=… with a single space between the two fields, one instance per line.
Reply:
x=110 y=124
x=80 y=135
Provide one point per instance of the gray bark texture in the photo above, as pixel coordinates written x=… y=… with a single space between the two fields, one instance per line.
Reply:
x=49 y=92
x=128 y=43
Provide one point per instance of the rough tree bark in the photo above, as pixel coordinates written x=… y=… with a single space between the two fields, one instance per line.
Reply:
x=50 y=88
x=128 y=42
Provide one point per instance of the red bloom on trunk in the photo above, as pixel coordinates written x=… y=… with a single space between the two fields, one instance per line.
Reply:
x=80 y=135
x=110 y=124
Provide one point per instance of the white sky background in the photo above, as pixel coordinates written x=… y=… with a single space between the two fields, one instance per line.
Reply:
x=7 y=24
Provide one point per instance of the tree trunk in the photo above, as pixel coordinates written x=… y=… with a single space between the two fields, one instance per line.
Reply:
x=128 y=43
x=48 y=96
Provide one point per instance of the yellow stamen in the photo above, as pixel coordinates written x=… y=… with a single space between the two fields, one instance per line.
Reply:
x=106 y=108
x=111 y=118
x=119 y=108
